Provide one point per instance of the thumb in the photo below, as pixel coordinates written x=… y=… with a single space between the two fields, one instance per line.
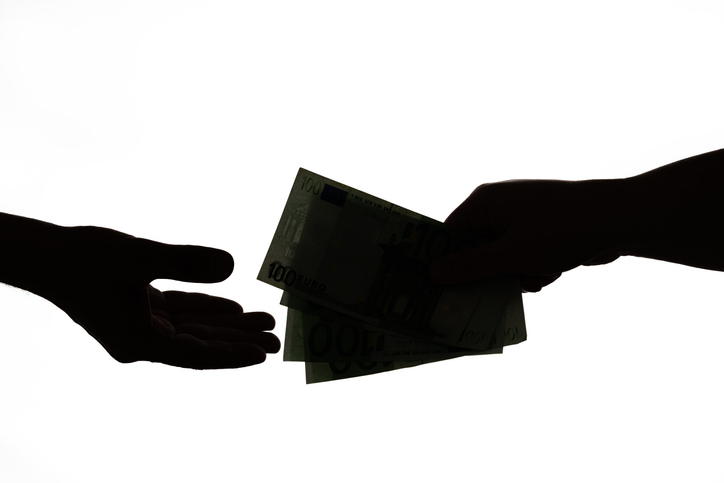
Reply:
x=468 y=265
x=186 y=263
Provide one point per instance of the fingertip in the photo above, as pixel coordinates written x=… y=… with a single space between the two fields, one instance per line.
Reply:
x=267 y=342
x=530 y=284
x=268 y=321
x=275 y=344
x=253 y=355
x=203 y=264
x=220 y=264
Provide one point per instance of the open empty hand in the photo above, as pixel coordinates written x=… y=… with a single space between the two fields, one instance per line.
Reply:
x=101 y=278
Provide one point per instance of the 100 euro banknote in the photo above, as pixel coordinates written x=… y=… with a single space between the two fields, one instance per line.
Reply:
x=369 y=259
x=315 y=333
x=333 y=346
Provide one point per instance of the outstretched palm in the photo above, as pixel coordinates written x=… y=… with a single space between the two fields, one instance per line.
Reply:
x=101 y=279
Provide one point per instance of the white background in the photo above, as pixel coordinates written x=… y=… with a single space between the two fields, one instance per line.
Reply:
x=185 y=122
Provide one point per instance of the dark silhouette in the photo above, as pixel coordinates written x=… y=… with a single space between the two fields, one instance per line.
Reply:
x=542 y=228
x=100 y=278
x=539 y=228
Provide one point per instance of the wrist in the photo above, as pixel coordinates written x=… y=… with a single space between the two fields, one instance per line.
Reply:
x=625 y=215
x=606 y=207
x=29 y=251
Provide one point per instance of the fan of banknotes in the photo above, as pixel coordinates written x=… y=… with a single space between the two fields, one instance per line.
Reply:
x=354 y=271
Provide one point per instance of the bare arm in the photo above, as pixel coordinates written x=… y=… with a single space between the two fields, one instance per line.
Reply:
x=677 y=213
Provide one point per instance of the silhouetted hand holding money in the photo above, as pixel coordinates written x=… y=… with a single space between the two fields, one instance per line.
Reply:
x=542 y=228
x=101 y=277
x=354 y=270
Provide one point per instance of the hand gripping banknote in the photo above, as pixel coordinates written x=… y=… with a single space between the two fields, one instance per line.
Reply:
x=354 y=270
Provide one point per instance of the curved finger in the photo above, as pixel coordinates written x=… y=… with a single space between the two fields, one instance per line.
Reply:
x=266 y=340
x=535 y=284
x=191 y=302
x=248 y=321
x=187 y=351
x=602 y=259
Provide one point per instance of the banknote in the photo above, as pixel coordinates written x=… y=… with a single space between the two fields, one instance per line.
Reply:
x=334 y=371
x=343 y=362
x=368 y=259
x=315 y=333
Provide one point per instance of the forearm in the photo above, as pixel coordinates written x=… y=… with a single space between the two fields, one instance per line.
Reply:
x=675 y=212
x=28 y=251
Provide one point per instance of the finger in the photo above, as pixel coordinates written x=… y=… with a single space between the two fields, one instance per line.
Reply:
x=187 y=351
x=535 y=284
x=247 y=321
x=472 y=214
x=266 y=340
x=187 y=263
x=469 y=212
x=461 y=217
x=472 y=264
x=602 y=259
x=180 y=302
